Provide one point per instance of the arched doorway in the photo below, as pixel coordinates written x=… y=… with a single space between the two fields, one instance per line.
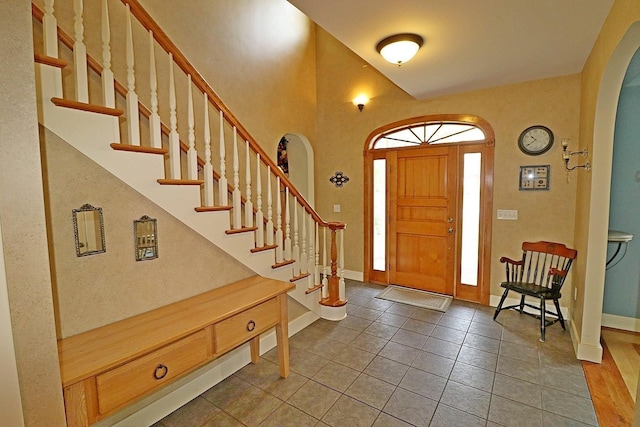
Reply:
x=299 y=161
x=428 y=198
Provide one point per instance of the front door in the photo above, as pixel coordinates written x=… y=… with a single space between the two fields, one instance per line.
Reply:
x=421 y=185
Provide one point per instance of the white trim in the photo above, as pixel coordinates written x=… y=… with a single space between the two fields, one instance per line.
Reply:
x=354 y=275
x=10 y=403
x=207 y=377
x=621 y=322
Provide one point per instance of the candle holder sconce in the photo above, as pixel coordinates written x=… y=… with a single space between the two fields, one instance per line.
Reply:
x=566 y=156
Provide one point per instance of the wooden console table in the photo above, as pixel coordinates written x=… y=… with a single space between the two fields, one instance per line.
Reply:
x=107 y=368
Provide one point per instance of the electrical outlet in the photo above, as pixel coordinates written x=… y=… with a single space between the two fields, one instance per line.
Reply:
x=507 y=214
x=336 y=208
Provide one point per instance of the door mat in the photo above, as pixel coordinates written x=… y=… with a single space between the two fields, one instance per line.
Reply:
x=417 y=298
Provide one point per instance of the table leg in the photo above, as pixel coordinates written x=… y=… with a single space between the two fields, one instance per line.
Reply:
x=282 y=337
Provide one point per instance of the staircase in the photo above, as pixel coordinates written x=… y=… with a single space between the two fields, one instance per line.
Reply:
x=256 y=215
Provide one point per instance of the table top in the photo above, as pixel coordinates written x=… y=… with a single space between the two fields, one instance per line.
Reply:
x=616 y=236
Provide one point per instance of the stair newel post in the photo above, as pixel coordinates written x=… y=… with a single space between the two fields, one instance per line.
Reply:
x=334 y=299
x=303 y=255
x=296 y=246
x=133 y=118
x=325 y=272
x=237 y=196
x=316 y=267
x=155 y=130
x=108 y=88
x=223 y=191
x=248 y=205
x=50 y=30
x=311 y=258
x=208 y=168
x=279 y=251
x=80 y=54
x=341 y=283
x=174 y=137
x=259 y=213
x=192 y=155
x=269 y=227
x=287 y=226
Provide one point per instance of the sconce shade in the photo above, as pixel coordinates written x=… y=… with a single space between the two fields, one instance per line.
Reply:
x=399 y=48
x=360 y=101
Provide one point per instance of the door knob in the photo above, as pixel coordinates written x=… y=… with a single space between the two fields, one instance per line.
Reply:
x=450 y=230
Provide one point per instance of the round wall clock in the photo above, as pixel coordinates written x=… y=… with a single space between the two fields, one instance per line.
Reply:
x=535 y=140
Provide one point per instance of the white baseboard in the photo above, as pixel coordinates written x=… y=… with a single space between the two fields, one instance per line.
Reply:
x=588 y=352
x=620 y=322
x=153 y=408
x=354 y=275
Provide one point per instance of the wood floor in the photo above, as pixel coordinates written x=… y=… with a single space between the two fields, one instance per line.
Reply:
x=613 y=383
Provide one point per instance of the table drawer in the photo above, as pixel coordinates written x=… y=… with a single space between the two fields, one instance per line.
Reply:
x=127 y=382
x=246 y=325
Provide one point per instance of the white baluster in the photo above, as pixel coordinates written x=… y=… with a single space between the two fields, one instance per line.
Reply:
x=316 y=267
x=154 y=119
x=50 y=30
x=192 y=155
x=248 y=205
x=303 y=256
x=133 y=118
x=325 y=270
x=311 y=259
x=259 y=214
x=237 y=196
x=296 y=247
x=108 y=88
x=269 y=228
x=279 y=252
x=223 y=191
x=341 y=284
x=80 y=54
x=208 y=168
x=287 y=226
x=174 y=137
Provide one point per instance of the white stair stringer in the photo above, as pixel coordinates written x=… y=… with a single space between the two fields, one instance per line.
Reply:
x=92 y=133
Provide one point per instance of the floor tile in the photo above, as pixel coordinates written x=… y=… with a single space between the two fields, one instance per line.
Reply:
x=348 y=412
x=478 y=358
x=399 y=352
x=552 y=420
x=336 y=376
x=411 y=339
x=441 y=347
x=519 y=369
x=569 y=406
x=288 y=416
x=372 y=391
x=227 y=391
x=368 y=313
x=423 y=383
x=381 y=330
x=379 y=304
x=433 y=363
x=518 y=390
x=354 y=358
x=369 y=343
x=480 y=342
x=513 y=414
x=386 y=420
x=222 y=419
x=467 y=399
x=387 y=370
x=401 y=309
x=253 y=407
x=492 y=330
x=194 y=413
x=326 y=348
x=305 y=363
x=472 y=376
x=459 y=311
x=392 y=319
x=446 y=416
x=425 y=315
x=454 y=323
x=561 y=380
x=448 y=334
x=314 y=398
x=419 y=326
x=411 y=407
x=520 y=352
x=355 y=323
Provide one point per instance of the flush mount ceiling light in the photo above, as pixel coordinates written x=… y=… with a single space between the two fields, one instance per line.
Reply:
x=399 y=48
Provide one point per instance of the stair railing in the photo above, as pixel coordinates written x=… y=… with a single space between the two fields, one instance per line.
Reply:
x=184 y=165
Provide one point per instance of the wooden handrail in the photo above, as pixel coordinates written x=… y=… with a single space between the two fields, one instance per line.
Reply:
x=198 y=80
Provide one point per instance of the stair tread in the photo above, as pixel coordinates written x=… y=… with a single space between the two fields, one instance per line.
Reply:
x=263 y=248
x=315 y=288
x=138 y=148
x=213 y=208
x=164 y=181
x=83 y=106
x=241 y=230
x=283 y=263
x=49 y=60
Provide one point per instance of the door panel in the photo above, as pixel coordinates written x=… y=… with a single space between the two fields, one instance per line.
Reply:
x=422 y=188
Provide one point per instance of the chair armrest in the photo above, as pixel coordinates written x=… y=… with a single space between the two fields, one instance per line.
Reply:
x=510 y=261
x=556 y=272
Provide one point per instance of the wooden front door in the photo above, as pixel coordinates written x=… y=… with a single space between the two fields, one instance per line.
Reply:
x=422 y=186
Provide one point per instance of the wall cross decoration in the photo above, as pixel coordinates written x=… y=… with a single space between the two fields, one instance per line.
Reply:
x=339 y=179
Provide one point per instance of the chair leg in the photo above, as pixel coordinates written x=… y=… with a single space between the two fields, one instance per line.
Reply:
x=543 y=321
x=560 y=317
x=504 y=297
x=521 y=303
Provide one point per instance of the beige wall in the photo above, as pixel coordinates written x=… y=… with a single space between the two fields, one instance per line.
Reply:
x=597 y=117
x=23 y=223
x=342 y=132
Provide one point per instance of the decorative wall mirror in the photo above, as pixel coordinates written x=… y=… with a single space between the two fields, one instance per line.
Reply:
x=145 y=235
x=88 y=227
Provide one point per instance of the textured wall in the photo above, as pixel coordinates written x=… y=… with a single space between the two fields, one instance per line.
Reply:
x=342 y=131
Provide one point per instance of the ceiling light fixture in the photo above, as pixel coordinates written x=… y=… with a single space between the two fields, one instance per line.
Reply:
x=399 y=48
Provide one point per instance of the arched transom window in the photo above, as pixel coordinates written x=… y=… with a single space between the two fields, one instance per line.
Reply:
x=434 y=132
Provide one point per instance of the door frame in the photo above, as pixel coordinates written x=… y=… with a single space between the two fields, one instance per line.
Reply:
x=486 y=219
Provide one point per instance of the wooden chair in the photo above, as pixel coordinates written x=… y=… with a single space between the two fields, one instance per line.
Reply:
x=540 y=274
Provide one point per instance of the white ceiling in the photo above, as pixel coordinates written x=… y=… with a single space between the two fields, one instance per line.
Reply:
x=469 y=44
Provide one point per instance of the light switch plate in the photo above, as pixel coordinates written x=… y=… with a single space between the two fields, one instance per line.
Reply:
x=336 y=208
x=507 y=214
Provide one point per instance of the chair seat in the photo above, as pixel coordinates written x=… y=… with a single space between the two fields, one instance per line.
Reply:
x=531 y=289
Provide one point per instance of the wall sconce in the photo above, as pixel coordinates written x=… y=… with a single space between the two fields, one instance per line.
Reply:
x=360 y=101
x=399 y=48
x=566 y=156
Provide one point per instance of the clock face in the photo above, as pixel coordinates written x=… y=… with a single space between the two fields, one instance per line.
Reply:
x=535 y=140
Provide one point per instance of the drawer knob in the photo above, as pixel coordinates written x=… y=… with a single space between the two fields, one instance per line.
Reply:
x=160 y=372
x=251 y=325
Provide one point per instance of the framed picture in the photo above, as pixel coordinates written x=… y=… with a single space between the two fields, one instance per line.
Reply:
x=534 y=177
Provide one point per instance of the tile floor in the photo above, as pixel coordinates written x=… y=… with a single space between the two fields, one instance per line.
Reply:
x=390 y=364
